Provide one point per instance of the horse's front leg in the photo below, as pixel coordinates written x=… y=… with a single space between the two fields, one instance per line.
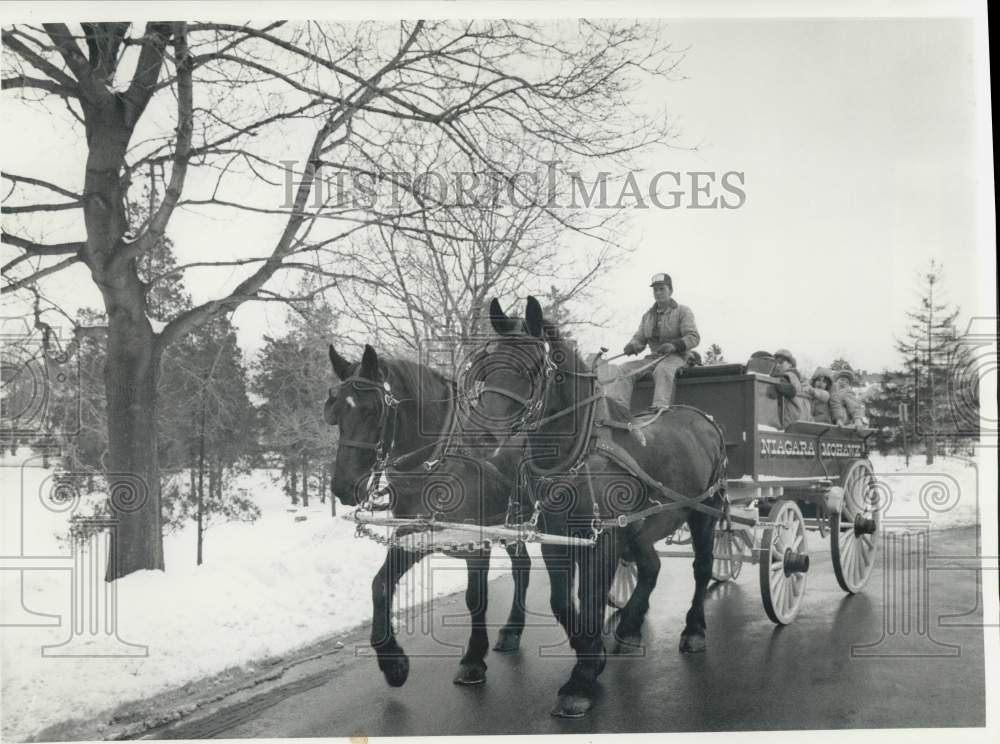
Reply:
x=596 y=566
x=560 y=566
x=509 y=638
x=702 y=534
x=472 y=668
x=391 y=659
x=628 y=634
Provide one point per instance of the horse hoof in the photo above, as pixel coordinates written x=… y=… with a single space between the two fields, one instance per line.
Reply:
x=470 y=674
x=507 y=642
x=628 y=646
x=692 y=644
x=396 y=669
x=572 y=706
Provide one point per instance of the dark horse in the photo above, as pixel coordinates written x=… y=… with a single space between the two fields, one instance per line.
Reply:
x=404 y=408
x=583 y=483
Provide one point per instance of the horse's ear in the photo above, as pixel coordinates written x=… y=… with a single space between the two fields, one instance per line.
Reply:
x=369 y=364
x=341 y=367
x=533 y=317
x=498 y=318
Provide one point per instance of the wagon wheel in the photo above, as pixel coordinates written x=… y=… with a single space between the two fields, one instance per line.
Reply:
x=681 y=536
x=623 y=585
x=854 y=529
x=726 y=542
x=784 y=562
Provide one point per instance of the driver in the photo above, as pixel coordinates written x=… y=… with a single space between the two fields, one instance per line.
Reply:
x=670 y=332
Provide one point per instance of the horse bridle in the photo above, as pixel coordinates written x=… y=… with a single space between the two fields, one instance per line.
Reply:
x=386 y=417
x=532 y=418
x=532 y=406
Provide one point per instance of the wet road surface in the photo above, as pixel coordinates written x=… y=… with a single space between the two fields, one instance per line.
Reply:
x=845 y=662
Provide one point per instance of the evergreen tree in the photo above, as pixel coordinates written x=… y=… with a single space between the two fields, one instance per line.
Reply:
x=883 y=406
x=292 y=375
x=929 y=355
x=206 y=430
x=841 y=364
x=714 y=355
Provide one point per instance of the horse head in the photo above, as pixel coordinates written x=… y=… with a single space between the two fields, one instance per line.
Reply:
x=505 y=379
x=360 y=407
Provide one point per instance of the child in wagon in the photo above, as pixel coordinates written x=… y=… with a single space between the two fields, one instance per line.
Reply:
x=818 y=391
x=796 y=406
x=845 y=407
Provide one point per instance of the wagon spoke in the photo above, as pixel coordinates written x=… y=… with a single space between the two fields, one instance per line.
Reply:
x=777 y=554
x=847 y=557
x=786 y=596
x=860 y=565
x=850 y=547
x=779 y=595
x=795 y=591
x=867 y=556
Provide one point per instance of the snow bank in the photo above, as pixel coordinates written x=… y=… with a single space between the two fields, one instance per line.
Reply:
x=264 y=589
x=947 y=494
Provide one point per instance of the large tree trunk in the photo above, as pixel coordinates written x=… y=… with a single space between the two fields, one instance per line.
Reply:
x=132 y=364
x=130 y=383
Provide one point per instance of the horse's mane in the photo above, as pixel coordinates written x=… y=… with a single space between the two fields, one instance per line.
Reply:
x=415 y=380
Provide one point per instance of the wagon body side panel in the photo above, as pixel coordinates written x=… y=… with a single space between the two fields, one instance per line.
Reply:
x=728 y=400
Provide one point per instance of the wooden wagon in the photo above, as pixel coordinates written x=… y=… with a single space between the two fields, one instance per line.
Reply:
x=783 y=480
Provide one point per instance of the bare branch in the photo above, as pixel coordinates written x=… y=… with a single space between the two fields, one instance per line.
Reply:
x=32 y=248
x=36 y=60
x=23 y=81
x=250 y=286
x=43 y=184
x=66 y=45
x=28 y=208
x=147 y=70
x=15 y=285
x=182 y=150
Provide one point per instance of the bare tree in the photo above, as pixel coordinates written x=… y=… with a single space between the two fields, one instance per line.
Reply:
x=481 y=236
x=206 y=112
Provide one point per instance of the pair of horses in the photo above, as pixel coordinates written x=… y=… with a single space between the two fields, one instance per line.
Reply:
x=528 y=379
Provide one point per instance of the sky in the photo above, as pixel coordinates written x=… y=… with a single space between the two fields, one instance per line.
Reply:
x=857 y=141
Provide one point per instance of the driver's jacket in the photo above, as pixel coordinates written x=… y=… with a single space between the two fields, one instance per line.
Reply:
x=674 y=324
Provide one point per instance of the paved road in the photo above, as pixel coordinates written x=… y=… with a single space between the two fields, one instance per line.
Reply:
x=754 y=676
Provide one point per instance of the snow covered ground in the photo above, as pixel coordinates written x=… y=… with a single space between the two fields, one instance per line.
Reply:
x=264 y=589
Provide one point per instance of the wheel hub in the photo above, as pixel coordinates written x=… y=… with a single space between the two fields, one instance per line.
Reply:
x=795 y=562
x=864 y=525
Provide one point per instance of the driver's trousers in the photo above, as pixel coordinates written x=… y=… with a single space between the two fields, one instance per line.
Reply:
x=663 y=378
